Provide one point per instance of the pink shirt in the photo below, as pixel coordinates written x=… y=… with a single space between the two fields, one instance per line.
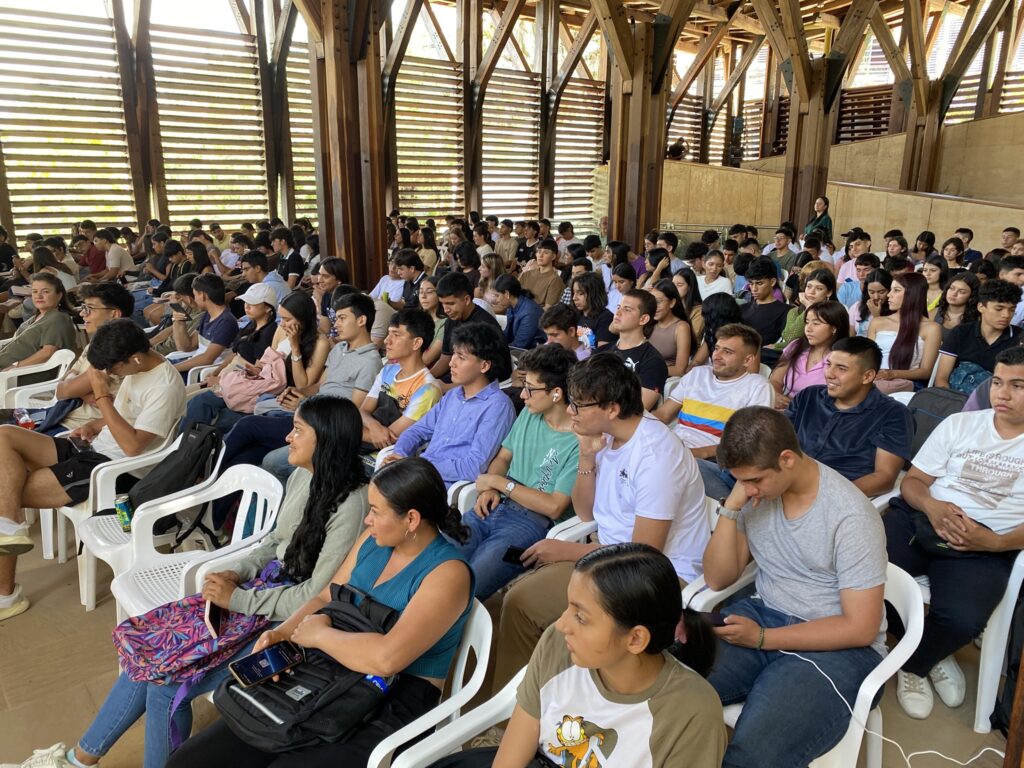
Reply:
x=798 y=377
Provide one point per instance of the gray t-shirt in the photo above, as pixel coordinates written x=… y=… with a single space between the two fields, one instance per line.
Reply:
x=802 y=564
x=350 y=369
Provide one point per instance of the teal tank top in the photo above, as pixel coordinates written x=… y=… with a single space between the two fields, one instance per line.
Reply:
x=397 y=591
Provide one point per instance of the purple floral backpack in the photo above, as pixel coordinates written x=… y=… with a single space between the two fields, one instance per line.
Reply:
x=171 y=643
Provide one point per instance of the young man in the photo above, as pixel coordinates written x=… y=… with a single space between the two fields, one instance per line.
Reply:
x=706 y=397
x=621 y=486
x=857 y=244
x=543 y=281
x=255 y=270
x=404 y=380
x=782 y=251
x=41 y=471
x=219 y=237
x=820 y=552
x=850 y=291
x=969 y=351
x=764 y=313
x=410 y=270
x=848 y=424
x=559 y=324
x=633 y=323
x=960 y=521
x=966 y=234
x=117 y=259
x=566 y=237
x=464 y=430
x=506 y=245
x=390 y=283
x=528 y=485
x=669 y=241
x=163 y=341
x=217 y=328
x=352 y=364
x=94 y=259
x=456 y=297
x=289 y=261
x=1010 y=236
x=693 y=257
x=1011 y=269
x=527 y=246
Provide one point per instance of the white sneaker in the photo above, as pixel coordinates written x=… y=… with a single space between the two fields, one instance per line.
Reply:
x=948 y=679
x=914 y=695
x=54 y=757
x=13 y=605
x=14 y=538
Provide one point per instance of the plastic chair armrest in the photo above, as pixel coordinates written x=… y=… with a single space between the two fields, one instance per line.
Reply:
x=21 y=397
x=700 y=597
x=573 y=529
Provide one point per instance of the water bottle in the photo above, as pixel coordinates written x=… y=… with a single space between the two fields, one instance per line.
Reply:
x=378 y=682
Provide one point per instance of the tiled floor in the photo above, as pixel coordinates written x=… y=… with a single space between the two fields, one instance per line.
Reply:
x=57 y=663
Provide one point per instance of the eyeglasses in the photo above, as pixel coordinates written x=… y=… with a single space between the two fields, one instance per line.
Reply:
x=87 y=310
x=574 y=407
x=530 y=390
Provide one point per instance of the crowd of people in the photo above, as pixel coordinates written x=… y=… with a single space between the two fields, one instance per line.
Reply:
x=564 y=377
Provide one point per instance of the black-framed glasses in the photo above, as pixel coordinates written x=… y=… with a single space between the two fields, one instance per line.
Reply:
x=574 y=407
x=530 y=390
x=86 y=309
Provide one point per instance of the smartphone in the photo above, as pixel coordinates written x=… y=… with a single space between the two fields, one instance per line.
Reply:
x=513 y=555
x=214 y=618
x=79 y=443
x=714 y=618
x=181 y=308
x=263 y=665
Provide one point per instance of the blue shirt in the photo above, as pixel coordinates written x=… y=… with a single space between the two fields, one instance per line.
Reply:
x=222 y=330
x=846 y=440
x=849 y=292
x=280 y=286
x=464 y=434
x=521 y=330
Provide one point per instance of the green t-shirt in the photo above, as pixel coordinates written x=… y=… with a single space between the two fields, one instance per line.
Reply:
x=54 y=328
x=542 y=458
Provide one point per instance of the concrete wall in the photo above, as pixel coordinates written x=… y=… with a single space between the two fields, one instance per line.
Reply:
x=982 y=159
x=875 y=162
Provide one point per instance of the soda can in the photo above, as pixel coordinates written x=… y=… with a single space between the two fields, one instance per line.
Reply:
x=377 y=682
x=123 y=510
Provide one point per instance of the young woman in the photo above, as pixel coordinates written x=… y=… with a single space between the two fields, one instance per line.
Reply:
x=924 y=246
x=428 y=250
x=959 y=302
x=199 y=259
x=936 y=273
x=657 y=264
x=908 y=339
x=618 y=676
x=44 y=260
x=50 y=329
x=332 y=272
x=403 y=562
x=719 y=310
x=403 y=239
x=896 y=248
x=591 y=301
x=874 y=302
x=685 y=282
x=803 y=361
x=713 y=280
x=491 y=268
x=177 y=265
x=623 y=281
x=953 y=253
x=319 y=521
x=816 y=285
x=821 y=219
x=430 y=304
x=672 y=335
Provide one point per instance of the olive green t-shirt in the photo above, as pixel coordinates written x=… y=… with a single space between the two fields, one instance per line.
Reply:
x=54 y=328
x=677 y=721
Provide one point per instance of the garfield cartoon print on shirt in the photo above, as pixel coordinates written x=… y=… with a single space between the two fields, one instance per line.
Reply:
x=581 y=743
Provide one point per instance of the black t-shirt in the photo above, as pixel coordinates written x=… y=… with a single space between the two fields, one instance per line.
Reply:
x=291 y=264
x=525 y=252
x=646 y=362
x=7 y=254
x=767 y=319
x=411 y=292
x=599 y=325
x=966 y=344
x=480 y=315
x=251 y=343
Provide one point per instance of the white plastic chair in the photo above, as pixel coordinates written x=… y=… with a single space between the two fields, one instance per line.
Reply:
x=451 y=738
x=476 y=637
x=34 y=396
x=463 y=495
x=54 y=368
x=902 y=397
x=103 y=538
x=155 y=578
x=572 y=529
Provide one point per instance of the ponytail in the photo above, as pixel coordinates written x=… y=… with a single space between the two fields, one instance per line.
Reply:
x=695 y=643
x=452 y=527
x=414 y=483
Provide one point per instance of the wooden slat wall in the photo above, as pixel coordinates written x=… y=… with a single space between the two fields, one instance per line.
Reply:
x=783 y=133
x=300 y=124
x=962 y=107
x=686 y=124
x=863 y=113
x=511 y=145
x=428 y=129
x=61 y=123
x=579 y=132
x=1013 y=93
x=716 y=141
x=753 y=117
x=211 y=125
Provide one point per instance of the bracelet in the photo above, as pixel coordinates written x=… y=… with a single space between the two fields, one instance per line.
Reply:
x=296 y=358
x=585 y=472
x=101 y=397
x=760 y=640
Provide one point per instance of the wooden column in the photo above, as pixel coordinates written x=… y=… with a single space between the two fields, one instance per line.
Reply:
x=469 y=52
x=137 y=161
x=372 y=150
x=6 y=214
x=258 y=27
x=147 y=111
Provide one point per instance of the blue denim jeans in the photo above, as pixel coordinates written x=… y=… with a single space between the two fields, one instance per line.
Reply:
x=508 y=525
x=128 y=701
x=253 y=437
x=718 y=482
x=791 y=714
x=207 y=407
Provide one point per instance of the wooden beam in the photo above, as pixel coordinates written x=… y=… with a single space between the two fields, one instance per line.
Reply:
x=6 y=211
x=439 y=34
x=553 y=84
x=267 y=95
x=773 y=31
x=749 y=54
x=983 y=76
x=242 y=16
x=396 y=53
x=994 y=97
x=955 y=71
x=670 y=22
x=890 y=48
x=851 y=31
x=799 y=57
x=312 y=12
x=283 y=32
x=705 y=10
x=918 y=61
x=502 y=32
x=126 y=67
x=705 y=53
x=961 y=37
x=932 y=35
x=572 y=58
x=611 y=16
x=514 y=42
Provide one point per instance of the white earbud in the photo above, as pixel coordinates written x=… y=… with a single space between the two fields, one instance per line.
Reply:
x=556 y=397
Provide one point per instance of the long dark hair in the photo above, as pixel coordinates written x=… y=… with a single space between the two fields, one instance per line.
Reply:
x=43 y=257
x=668 y=289
x=199 y=257
x=719 y=309
x=427 y=236
x=304 y=312
x=875 y=276
x=592 y=286
x=414 y=483
x=692 y=297
x=831 y=312
x=912 y=311
x=637 y=586
x=971 y=310
x=337 y=472
x=505 y=283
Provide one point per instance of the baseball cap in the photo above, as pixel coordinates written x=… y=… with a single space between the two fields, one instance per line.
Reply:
x=260 y=293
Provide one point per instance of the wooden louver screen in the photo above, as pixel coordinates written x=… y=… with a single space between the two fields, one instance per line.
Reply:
x=300 y=124
x=1013 y=93
x=211 y=125
x=962 y=107
x=511 y=145
x=753 y=118
x=782 y=135
x=686 y=125
x=62 y=122
x=863 y=113
x=428 y=136
x=579 y=133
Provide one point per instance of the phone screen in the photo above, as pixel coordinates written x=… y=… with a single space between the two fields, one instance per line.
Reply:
x=180 y=308
x=263 y=665
x=79 y=443
x=214 y=618
x=513 y=555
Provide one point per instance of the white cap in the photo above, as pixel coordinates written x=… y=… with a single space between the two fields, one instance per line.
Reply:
x=260 y=293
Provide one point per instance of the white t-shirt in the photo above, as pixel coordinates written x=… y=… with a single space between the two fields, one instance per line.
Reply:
x=153 y=402
x=721 y=284
x=706 y=403
x=393 y=286
x=976 y=469
x=119 y=258
x=652 y=475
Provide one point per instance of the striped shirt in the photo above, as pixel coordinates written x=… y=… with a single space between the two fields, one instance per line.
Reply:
x=707 y=403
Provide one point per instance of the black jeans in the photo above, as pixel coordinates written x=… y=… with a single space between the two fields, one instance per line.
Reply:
x=965 y=589
x=218 y=746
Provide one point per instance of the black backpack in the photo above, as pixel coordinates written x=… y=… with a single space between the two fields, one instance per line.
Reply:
x=1001 y=715
x=930 y=406
x=317 y=701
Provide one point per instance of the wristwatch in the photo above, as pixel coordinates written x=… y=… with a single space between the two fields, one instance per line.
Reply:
x=729 y=514
x=509 y=487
